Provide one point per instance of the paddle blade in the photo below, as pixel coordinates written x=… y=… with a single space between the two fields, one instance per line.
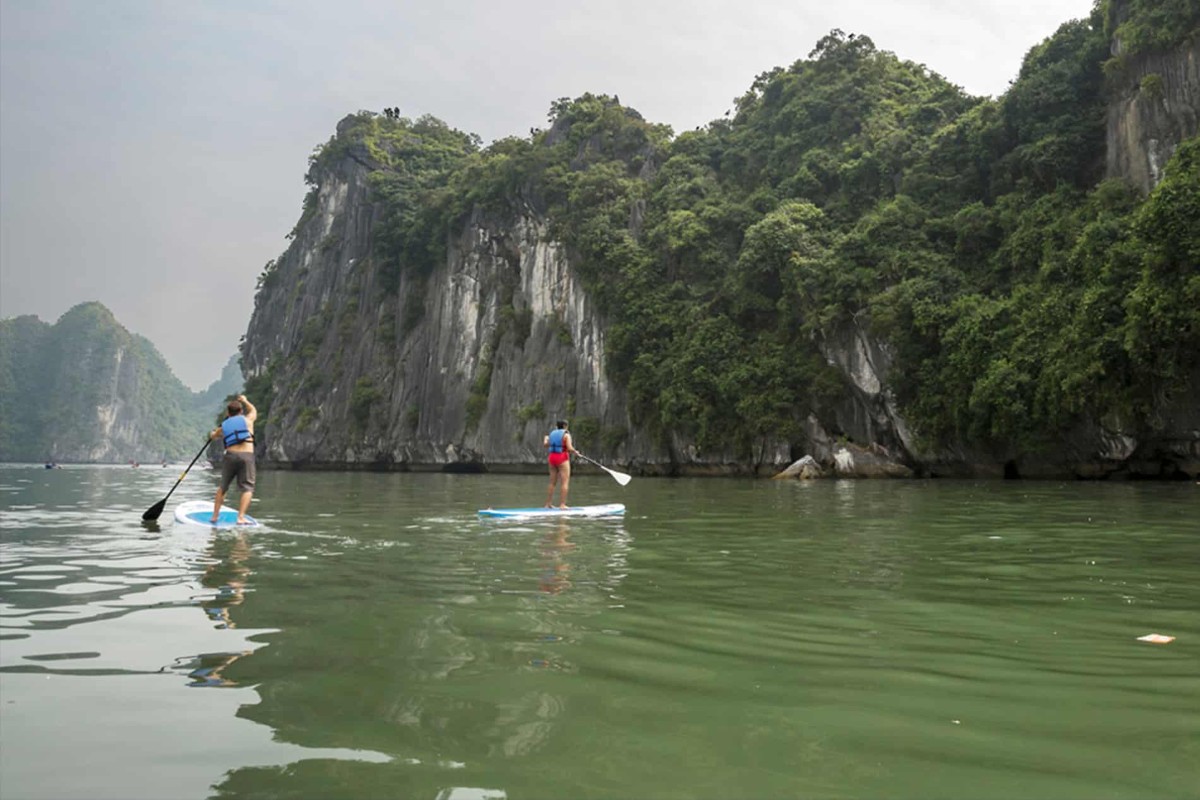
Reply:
x=619 y=477
x=155 y=511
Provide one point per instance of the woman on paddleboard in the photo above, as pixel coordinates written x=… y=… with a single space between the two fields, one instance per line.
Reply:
x=559 y=448
x=237 y=434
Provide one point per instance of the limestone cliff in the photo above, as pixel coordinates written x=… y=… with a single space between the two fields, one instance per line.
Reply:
x=1155 y=105
x=877 y=442
x=439 y=305
x=463 y=368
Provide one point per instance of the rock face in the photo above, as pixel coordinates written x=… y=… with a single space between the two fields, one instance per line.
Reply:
x=805 y=469
x=466 y=364
x=1155 y=106
x=461 y=369
x=881 y=445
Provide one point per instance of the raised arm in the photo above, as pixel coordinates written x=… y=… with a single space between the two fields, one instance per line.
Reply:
x=249 y=410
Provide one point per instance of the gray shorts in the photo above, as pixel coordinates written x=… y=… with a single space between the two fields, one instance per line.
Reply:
x=237 y=465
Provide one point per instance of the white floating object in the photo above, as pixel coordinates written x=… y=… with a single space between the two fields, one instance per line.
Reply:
x=1156 y=638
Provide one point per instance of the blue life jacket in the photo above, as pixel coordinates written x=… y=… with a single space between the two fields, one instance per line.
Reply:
x=236 y=430
x=556 y=440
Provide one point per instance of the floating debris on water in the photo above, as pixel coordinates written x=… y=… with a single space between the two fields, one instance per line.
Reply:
x=1156 y=638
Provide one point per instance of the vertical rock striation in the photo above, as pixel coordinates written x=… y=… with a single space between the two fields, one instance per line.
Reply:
x=1155 y=105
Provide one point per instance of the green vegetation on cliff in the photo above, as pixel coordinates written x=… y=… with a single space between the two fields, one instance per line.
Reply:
x=1146 y=25
x=1018 y=292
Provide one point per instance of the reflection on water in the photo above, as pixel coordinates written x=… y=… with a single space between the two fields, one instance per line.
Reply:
x=555 y=573
x=725 y=639
x=444 y=664
x=226 y=573
x=103 y=620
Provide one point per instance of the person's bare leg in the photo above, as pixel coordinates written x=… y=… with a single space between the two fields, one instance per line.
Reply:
x=550 y=488
x=244 y=505
x=566 y=483
x=217 y=504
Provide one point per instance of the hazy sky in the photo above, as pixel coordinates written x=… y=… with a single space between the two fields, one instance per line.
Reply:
x=152 y=152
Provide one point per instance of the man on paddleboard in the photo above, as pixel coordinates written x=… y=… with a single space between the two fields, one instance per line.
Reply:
x=558 y=445
x=237 y=434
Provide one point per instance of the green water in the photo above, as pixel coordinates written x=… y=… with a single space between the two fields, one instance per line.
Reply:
x=726 y=639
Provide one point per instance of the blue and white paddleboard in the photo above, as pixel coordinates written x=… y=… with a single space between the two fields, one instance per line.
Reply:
x=199 y=512
x=607 y=510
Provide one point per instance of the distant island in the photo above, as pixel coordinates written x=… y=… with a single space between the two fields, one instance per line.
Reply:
x=86 y=390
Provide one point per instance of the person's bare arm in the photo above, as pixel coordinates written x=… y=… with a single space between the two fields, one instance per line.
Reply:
x=248 y=409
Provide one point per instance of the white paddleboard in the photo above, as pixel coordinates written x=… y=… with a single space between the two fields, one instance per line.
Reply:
x=607 y=510
x=199 y=512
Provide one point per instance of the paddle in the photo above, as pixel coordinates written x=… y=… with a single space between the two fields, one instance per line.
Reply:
x=619 y=477
x=155 y=510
